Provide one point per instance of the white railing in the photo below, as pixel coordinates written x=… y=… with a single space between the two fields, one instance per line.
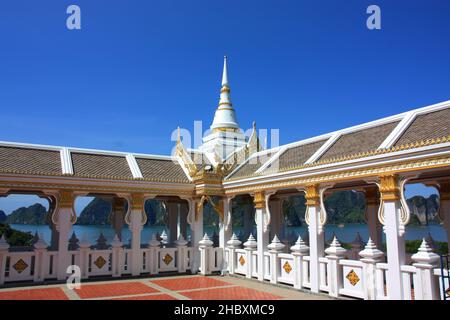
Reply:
x=382 y=293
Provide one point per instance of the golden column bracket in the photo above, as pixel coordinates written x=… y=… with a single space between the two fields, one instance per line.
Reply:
x=389 y=187
x=259 y=200
x=137 y=202
x=65 y=200
x=312 y=195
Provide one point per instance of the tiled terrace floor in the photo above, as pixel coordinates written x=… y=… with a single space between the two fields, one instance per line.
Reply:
x=168 y=288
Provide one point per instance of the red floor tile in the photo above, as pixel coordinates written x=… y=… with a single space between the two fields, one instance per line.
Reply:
x=189 y=283
x=148 y=297
x=113 y=289
x=34 y=294
x=233 y=293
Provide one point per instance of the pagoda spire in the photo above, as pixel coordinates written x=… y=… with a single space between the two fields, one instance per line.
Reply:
x=225 y=118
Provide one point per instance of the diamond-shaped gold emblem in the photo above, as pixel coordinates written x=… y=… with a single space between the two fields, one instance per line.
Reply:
x=20 y=266
x=100 y=262
x=242 y=260
x=352 y=277
x=287 y=267
x=167 y=259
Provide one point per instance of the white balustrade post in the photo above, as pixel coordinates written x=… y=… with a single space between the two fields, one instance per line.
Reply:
x=4 y=250
x=181 y=245
x=275 y=247
x=299 y=250
x=85 y=248
x=65 y=217
x=40 y=248
x=425 y=261
x=154 y=246
x=232 y=244
x=370 y=257
x=205 y=246
x=334 y=253
x=314 y=218
x=116 y=256
x=250 y=246
x=262 y=232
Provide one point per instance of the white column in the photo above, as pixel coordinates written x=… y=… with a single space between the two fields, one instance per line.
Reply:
x=225 y=224
x=182 y=220
x=118 y=216
x=262 y=234
x=196 y=223
x=248 y=220
x=136 y=220
x=172 y=208
x=276 y=220
x=395 y=244
x=374 y=225
x=65 y=216
x=316 y=234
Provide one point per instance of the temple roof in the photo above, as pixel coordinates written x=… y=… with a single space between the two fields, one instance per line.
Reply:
x=428 y=125
x=409 y=130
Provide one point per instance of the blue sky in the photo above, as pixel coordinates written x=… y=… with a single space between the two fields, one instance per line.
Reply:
x=139 y=69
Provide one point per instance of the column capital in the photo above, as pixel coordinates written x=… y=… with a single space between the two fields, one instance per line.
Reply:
x=66 y=199
x=312 y=195
x=259 y=200
x=137 y=201
x=119 y=204
x=389 y=187
x=371 y=195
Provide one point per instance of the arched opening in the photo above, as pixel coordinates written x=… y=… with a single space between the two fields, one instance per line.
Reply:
x=24 y=216
x=423 y=203
x=211 y=220
x=293 y=219
x=243 y=217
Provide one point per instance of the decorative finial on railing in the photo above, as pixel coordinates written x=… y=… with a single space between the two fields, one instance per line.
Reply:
x=358 y=243
x=371 y=251
x=73 y=242
x=300 y=246
x=3 y=243
x=251 y=242
x=234 y=241
x=116 y=242
x=425 y=254
x=276 y=244
x=181 y=242
x=206 y=241
x=84 y=243
x=335 y=249
x=40 y=243
x=164 y=238
x=154 y=241
x=101 y=242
